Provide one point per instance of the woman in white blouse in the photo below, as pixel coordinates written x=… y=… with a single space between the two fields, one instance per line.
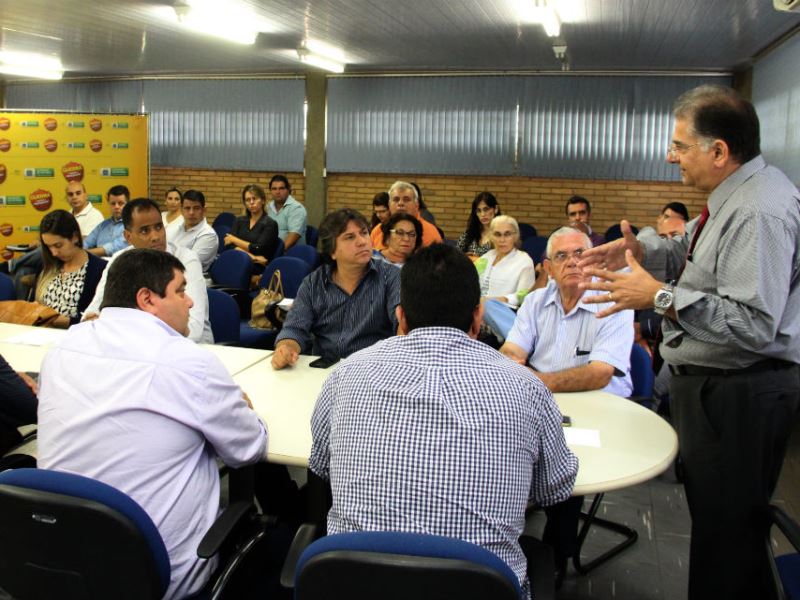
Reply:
x=172 y=217
x=505 y=270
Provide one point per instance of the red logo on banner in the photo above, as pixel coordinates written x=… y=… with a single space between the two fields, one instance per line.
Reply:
x=41 y=200
x=3 y=173
x=5 y=145
x=96 y=145
x=5 y=123
x=50 y=124
x=6 y=229
x=50 y=145
x=72 y=171
x=7 y=255
x=95 y=124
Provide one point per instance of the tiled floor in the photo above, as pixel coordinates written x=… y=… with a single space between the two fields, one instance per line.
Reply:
x=656 y=566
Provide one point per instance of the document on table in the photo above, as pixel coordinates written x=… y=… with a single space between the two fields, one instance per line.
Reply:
x=38 y=337
x=576 y=436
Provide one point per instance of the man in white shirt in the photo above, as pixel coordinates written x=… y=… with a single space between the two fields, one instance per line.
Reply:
x=153 y=424
x=195 y=233
x=87 y=216
x=145 y=229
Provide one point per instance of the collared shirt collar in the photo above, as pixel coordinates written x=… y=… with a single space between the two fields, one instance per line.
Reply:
x=86 y=210
x=552 y=295
x=328 y=271
x=200 y=225
x=732 y=182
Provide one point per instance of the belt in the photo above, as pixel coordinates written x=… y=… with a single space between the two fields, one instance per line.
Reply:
x=770 y=364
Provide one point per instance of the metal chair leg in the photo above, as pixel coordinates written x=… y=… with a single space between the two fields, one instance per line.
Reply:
x=590 y=519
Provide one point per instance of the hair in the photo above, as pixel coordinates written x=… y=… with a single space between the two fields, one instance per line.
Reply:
x=505 y=219
x=194 y=196
x=577 y=200
x=283 y=180
x=119 y=190
x=420 y=200
x=379 y=199
x=718 y=112
x=404 y=185
x=63 y=224
x=561 y=232
x=474 y=227
x=677 y=207
x=256 y=190
x=397 y=218
x=137 y=205
x=332 y=226
x=439 y=288
x=136 y=269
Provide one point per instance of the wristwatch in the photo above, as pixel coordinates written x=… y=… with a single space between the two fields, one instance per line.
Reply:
x=662 y=301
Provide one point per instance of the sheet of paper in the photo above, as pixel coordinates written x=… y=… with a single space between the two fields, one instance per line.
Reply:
x=576 y=436
x=286 y=303
x=38 y=337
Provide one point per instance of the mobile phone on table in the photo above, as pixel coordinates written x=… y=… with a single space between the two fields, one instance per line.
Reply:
x=323 y=362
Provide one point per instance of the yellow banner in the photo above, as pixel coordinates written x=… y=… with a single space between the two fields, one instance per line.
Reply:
x=40 y=153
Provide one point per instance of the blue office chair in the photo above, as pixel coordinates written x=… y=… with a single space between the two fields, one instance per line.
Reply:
x=7 y=290
x=785 y=568
x=225 y=219
x=76 y=538
x=535 y=247
x=279 y=250
x=526 y=230
x=232 y=269
x=312 y=236
x=642 y=376
x=222 y=231
x=223 y=313
x=395 y=566
x=615 y=232
x=293 y=271
x=306 y=253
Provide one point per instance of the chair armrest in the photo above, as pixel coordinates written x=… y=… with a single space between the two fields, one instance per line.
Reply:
x=230 y=519
x=788 y=527
x=302 y=540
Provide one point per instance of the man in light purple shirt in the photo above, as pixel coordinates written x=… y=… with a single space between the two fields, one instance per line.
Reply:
x=128 y=400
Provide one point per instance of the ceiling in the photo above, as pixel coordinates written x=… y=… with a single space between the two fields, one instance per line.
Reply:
x=128 y=38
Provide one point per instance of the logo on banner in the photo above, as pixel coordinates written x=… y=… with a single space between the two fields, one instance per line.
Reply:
x=6 y=229
x=3 y=173
x=5 y=145
x=72 y=171
x=51 y=145
x=50 y=124
x=5 y=123
x=95 y=124
x=114 y=172
x=96 y=145
x=41 y=200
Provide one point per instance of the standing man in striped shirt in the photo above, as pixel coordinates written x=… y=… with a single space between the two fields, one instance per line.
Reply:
x=345 y=305
x=434 y=432
x=731 y=333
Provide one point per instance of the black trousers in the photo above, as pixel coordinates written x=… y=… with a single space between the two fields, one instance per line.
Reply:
x=733 y=432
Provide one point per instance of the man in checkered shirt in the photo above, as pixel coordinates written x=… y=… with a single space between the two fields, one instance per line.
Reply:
x=435 y=432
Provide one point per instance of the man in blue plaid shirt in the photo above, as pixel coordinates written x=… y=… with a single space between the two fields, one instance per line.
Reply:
x=435 y=432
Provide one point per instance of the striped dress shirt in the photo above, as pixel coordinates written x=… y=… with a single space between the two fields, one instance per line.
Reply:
x=328 y=321
x=434 y=432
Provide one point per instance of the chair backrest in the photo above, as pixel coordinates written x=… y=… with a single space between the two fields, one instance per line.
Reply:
x=312 y=236
x=226 y=219
x=232 y=269
x=785 y=568
x=393 y=565
x=526 y=230
x=306 y=253
x=535 y=246
x=279 y=250
x=74 y=537
x=642 y=375
x=223 y=313
x=221 y=230
x=7 y=290
x=615 y=232
x=293 y=271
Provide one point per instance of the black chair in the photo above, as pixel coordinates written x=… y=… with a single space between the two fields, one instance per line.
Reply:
x=223 y=313
x=312 y=236
x=535 y=247
x=615 y=232
x=526 y=230
x=785 y=568
x=77 y=538
x=399 y=566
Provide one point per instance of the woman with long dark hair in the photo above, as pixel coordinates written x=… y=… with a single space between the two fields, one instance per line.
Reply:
x=70 y=274
x=172 y=217
x=254 y=233
x=477 y=240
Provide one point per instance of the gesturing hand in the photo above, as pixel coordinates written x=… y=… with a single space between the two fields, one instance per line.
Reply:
x=634 y=290
x=612 y=255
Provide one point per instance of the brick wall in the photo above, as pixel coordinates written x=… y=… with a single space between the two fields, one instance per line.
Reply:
x=539 y=202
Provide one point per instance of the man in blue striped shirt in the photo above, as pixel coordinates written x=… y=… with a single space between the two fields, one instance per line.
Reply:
x=434 y=432
x=345 y=305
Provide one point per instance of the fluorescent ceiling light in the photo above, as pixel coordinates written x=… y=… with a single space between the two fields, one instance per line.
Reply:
x=321 y=62
x=232 y=22
x=30 y=64
x=544 y=12
x=326 y=50
x=550 y=21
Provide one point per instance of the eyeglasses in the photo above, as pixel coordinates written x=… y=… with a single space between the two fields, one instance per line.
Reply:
x=485 y=210
x=676 y=148
x=560 y=257
x=412 y=235
x=503 y=234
